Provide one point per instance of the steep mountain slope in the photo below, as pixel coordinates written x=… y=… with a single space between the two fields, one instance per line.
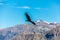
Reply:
x=41 y=28
x=53 y=34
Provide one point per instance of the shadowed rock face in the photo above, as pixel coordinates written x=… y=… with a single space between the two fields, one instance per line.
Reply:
x=49 y=36
x=2 y=37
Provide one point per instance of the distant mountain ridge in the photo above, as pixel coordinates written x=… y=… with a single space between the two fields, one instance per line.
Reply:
x=41 y=27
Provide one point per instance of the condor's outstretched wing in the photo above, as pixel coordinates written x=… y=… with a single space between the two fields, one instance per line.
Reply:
x=27 y=16
x=33 y=22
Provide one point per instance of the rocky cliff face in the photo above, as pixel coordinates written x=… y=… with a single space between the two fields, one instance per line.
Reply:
x=53 y=34
x=41 y=31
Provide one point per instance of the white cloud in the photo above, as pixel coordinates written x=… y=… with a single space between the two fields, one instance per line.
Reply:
x=28 y=7
x=41 y=8
x=24 y=7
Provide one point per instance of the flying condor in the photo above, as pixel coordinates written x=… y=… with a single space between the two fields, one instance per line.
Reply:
x=29 y=19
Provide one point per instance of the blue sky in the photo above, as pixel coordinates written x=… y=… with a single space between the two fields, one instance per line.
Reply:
x=12 y=11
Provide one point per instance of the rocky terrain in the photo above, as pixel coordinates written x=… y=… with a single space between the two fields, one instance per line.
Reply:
x=42 y=31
